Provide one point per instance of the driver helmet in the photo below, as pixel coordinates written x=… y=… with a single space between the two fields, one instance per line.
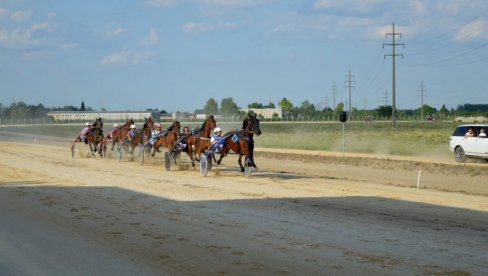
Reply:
x=116 y=125
x=133 y=126
x=217 y=129
x=87 y=124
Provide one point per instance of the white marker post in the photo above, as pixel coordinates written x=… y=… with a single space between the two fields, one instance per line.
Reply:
x=418 y=178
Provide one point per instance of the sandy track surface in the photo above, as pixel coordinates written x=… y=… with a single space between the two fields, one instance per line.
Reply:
x=300 y=214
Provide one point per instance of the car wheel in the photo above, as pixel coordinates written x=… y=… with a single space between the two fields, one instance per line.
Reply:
x=459 y=155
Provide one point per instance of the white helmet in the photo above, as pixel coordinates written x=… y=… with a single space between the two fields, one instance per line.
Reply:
x=217 y=129
x=133 y=126
x=116 y=125
x=87 y=124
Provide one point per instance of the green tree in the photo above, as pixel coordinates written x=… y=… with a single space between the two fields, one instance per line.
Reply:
x=270 y=105
x=228 y=107
x=427 y=109
x=211 y=107
x=255 y=105
x=384 y=111
x=82 y=107
x=339 y=108
x=307 y=110
x=285 y=104
x=275 y=117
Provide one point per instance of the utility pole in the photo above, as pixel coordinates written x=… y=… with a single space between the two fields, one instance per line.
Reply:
x=365 y=108
x=386 y=97
x=349 y=80
x=421 y=100
x=334 y=93
x=393 y=55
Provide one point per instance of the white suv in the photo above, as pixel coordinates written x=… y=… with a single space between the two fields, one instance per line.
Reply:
x=464 y=147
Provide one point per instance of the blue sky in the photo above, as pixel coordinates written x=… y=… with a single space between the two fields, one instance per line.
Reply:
x=176 y=54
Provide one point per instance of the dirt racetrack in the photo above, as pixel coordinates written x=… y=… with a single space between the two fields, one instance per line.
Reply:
x=301 y=213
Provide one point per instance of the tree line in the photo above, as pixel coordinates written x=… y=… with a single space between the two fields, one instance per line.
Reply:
x=228 y=108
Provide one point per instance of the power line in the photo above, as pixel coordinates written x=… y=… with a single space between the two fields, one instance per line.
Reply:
x=393 y=55
x=421 y=90
x=449 y=32
x=454 y=57
x=334 y=93
x=349 y=80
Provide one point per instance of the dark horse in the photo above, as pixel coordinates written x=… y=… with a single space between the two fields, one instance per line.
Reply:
x=95 y=136
x=145 y=132
x=119 y=134
x=200 y=139
x=168 y=138
x=242 y=142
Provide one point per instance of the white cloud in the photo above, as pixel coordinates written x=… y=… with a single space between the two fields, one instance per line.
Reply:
x=237 y=2
x=152 y=38
x=114 y=58
x=3 y=12
x=35 y=55
x=229 y=25
x=142 y=57
x=418 y=6
x=459 y=6
x=352 y=4
x=20 y=15
x=17 y=38
x=163 y=3
x=471 y=31
x=43 y=26
x=283 y=28
x=115 y=32
x=193 y=27
x=350 y=22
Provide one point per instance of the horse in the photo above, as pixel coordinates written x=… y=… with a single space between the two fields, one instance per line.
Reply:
x=168 y=138
x=241 y=142
x=200 y=140
x=95 y=136
x=145 y=132
x=119 y=134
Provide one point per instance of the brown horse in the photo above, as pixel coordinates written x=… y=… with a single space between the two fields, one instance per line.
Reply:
x=168 y=138
x=241 y=142
x=200 y=140
x=95 y=136
x=145 y=132
x=120 y=134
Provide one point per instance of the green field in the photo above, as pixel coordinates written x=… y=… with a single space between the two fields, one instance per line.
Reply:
x=409 y=138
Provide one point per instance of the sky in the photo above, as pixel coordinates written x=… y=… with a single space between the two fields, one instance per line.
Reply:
x=174 y=55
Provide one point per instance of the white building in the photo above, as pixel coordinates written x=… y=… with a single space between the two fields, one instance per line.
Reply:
x=105 y=115
x=266 y=113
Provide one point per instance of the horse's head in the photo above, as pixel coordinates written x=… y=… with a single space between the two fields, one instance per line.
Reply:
x=176 y=126
x=148 y=123
x=254 y=121
x=210 y=122
x=98 y=123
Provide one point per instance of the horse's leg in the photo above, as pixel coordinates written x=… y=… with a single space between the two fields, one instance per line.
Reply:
x=113 y=142
x=240 y=162
x=91 y=149
x=190 y=154
x=223 y=153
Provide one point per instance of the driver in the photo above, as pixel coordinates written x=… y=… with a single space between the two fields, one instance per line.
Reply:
x=131 y=133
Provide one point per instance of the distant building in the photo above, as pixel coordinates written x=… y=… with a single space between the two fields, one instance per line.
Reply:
x=266 y=113
x=200 y=114
x=105 y=115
